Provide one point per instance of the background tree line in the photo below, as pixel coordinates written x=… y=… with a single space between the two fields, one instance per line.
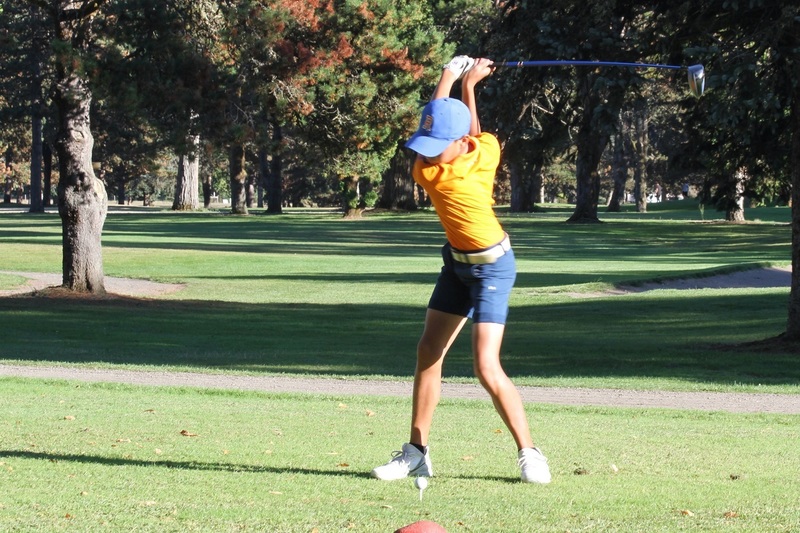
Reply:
x=309 y=101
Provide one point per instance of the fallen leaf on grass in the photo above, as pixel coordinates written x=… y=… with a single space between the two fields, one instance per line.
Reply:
x=187 y=433
x=370 y=413
x=275 y=492
x=468 y=458
x=687 y=512
x=342 y=406
x=69 y=417
x=735 y=477
x=731 y=514
x=498 y=431
x=343 y=465
x=580 y=471
x=158 y=451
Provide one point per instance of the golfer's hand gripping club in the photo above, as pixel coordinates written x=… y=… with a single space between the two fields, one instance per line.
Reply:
x=459 y=65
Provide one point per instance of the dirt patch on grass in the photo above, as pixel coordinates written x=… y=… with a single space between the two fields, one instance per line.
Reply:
x=50 y=285
x=700 y=401
x=754 y=278
x=757 y=278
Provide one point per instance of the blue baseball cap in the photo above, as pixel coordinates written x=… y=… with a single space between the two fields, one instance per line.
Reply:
x=443 y=121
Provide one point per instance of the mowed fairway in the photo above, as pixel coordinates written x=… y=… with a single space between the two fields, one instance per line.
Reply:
x=311 y=294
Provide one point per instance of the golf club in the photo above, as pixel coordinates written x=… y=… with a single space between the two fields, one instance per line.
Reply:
x=697 y=76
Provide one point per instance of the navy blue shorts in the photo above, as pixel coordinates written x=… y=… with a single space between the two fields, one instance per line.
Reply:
x=480 y=292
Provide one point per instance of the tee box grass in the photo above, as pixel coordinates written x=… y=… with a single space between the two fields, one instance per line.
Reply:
x=117 y=457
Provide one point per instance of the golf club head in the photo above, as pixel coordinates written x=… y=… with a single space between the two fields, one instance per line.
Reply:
x=697 y=79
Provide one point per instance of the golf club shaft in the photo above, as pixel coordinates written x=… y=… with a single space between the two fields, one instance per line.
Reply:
x=557 y=63
x=697 y=76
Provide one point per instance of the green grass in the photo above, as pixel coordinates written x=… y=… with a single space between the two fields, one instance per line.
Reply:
x=112 y=457
x=311 y=294
x=314 y=294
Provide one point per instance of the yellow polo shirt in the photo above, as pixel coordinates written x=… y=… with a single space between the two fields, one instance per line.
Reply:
x=461 y=193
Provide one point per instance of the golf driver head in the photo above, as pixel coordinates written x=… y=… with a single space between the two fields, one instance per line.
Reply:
x=697 y=79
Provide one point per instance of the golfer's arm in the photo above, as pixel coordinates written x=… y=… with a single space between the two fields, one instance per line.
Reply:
x=445 y=85
x=468 y=97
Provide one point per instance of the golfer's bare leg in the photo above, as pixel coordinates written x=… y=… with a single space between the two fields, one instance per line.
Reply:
x=486 y=341
x=441 y=329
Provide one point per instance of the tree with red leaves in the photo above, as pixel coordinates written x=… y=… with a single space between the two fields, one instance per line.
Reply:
x=365 y=69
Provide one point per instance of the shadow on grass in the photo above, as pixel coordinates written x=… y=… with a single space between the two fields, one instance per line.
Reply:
x=184 y=465
x=693 y=338
x=501 y=479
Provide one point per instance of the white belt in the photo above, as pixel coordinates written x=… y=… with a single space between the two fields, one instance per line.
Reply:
x=489 y=255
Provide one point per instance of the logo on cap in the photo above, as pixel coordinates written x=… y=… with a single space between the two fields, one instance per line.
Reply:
x=428 y=124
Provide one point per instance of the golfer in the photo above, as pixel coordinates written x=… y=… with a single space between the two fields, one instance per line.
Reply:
x=456 y=165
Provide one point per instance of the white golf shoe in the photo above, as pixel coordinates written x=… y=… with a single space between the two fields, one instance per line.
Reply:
x=407 y=462
x=533 y=466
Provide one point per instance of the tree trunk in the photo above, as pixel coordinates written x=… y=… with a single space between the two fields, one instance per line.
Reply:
x=82 y=199
x=519 y=190
x=793 y=323
x=735 y=204
x=187 y=183
x=537 y=184
x=37 y=110
x=207 y=190
x=263 y=173
x=238 y=176
x=591 y=140
x=274 y=183
x=121 y=196
x=640 y=157
x=270 y=169
x=619 y=172
x=47 y=176
x=250 y=192
x=590 y=149
x=351 y=194
x=398 y=185
x=262 y=177
x=36 y=164
x=9 y=168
